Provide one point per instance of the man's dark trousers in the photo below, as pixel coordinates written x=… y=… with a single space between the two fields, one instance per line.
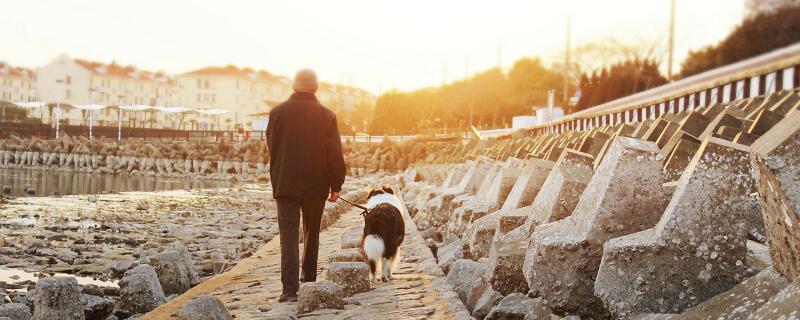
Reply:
x=289 y=209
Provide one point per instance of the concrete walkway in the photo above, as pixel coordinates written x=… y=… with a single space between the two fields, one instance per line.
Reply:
x=251 y=288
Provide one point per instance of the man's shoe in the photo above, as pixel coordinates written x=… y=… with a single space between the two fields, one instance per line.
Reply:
x=287 y=298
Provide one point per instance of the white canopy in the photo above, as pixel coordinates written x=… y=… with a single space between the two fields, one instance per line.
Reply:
x=137 y=107
x=213 y=112
x=30 y=105
x=91 y=107
x=174 y=109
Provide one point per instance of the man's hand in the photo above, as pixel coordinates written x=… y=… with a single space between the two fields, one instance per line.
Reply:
x=333 y=197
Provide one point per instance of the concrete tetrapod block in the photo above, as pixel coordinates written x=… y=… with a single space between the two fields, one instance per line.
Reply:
x=776 y=160
x=739 y=302
x=140 y=290
x=528 y=184
x=696 y=250
x=14 y=311
x=625 y=195
x=486 y=201
x=518 y=306
x=781 y=306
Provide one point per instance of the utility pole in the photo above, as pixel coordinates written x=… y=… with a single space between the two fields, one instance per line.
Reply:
x=471 y=90
x=566 y=61
x=671 y=39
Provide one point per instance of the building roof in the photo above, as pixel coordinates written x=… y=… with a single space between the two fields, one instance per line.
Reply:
x=131 y=72
x=7 y=70
x=231 y=70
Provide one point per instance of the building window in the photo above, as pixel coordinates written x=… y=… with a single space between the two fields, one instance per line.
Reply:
x=213 y=97
x=199 y=97
x=67 y=94
x=68 y=80
x=207 y=84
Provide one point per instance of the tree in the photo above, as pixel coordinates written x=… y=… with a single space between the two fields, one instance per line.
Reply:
x=619 y=80
x=764 y=32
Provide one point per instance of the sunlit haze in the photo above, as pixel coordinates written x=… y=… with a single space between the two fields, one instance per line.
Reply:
x=377 y=45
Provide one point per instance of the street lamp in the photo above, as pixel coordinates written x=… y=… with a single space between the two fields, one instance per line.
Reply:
x=91 y=112
x=119 y=117
x=58 y=106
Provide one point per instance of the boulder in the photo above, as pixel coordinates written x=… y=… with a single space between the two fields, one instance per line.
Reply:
x=319 y=295
x=14 y=311
x=140 y=290
x=96 y=308
x=352 y=237
x=205 y=307
x=354 y=277
x=58 y=298
x=449 y=253
x=172 y=272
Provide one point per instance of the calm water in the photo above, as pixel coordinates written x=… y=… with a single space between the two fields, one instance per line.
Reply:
x=48 y=183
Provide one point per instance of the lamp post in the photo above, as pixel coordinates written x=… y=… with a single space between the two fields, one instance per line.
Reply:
x=58 y=108
x=119 y=117
x=91 y=112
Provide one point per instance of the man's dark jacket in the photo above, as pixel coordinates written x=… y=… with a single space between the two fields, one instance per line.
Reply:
x=305 y=149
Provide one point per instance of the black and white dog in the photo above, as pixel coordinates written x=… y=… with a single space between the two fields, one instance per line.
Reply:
x=384 y=230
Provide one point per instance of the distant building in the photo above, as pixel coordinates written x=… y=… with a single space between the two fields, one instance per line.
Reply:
x=241 y=91
x=75 y=81
x=17 y=84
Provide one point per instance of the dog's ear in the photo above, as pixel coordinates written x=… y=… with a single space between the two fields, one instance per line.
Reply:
x=388 y=189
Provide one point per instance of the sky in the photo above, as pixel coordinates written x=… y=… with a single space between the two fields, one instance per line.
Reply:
x=374 y=44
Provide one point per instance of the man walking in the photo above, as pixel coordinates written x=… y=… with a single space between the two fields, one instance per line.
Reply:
x=306 y=165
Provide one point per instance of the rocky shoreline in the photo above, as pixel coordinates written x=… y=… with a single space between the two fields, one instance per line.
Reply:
x=102 y=237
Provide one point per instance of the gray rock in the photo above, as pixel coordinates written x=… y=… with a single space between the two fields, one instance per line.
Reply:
x=140 y=290
x=14 y=311
x=352 y=237
x=517 y=306
x=96 y=308
x=194 y=278
x=58 y=298
x=319 y=295
x=206 y=307
x=172 y=272
x=448 y=254
x=354 y=277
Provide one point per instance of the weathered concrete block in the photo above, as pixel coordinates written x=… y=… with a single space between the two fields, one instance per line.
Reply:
x=518 y=306
x=206 y=307
x=96 y=308
x=740 y=301
x=346 y=255
x=505 y=266
x=698 y=248
x=140 y=290
x=527 y=185
x=781 y=306
x=58 y=298
x=448 y=254
x=462 y=275
x=624 y=196
x=354 y=277
x=776 y=160
x=319 y=295
x=352 y=237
